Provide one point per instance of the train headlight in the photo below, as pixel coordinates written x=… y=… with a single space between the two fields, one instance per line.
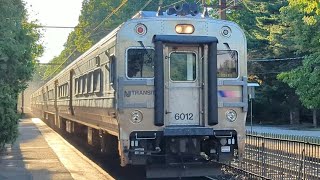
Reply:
x=184 y=28
x=231 y=115
x=136 y=116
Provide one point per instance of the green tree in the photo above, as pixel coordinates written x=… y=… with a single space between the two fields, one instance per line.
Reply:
x=97 y=19
x=306 y=41
x=305 y=79
x=268 y=38
x=18 y=48
x=310 y=8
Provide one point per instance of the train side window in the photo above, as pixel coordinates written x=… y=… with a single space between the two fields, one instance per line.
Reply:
x=89 y=82
x=67 y=89
x=79 y=85
x=140 y=63
x=227 y=64
x=84 y=84
x=97 y=80
x=112 y=70
x=50 y=95
x=76 y=86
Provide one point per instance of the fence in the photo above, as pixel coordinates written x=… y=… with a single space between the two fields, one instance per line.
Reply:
x=275 y=156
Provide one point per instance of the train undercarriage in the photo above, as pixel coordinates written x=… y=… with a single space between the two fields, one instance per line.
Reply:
x=182 y=152
x=174 y=152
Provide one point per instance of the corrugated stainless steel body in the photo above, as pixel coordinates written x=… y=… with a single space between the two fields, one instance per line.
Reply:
x=108 y=104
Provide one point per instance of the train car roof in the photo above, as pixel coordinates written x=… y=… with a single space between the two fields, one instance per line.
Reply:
x=93 y=48
x=152 y=14
x=139 y=15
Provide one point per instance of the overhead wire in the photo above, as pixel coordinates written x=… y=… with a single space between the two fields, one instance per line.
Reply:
x=96 y=28
x=276 y=72
x=276 y=59
x=173 y=3
x=58 y=27
x=145 y=5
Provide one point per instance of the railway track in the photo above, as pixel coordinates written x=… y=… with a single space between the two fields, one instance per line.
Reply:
x=276 y=164
x=282 y=156
x=112 y=167
x=258 y=162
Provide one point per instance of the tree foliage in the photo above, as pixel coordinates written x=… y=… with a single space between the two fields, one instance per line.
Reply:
x=97 y=19
x=18 y=48
x=274 y=29
x=305 y=79
x=306 y=41
x=267 y=39
x=310 y=9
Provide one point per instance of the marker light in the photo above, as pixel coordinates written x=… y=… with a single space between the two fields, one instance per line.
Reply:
x=184 y=29
x=141 y=29
x=136 y=116
x=231 y=115
x=226 y=31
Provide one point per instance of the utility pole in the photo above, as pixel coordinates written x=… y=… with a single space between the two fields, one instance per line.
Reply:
x=222 y=9
x=22 y=103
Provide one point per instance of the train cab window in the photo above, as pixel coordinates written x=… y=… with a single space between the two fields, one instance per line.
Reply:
x=183 y=66
x=140 y=63
x=227 y=64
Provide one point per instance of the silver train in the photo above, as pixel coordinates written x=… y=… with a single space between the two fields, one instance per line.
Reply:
x=167 y=90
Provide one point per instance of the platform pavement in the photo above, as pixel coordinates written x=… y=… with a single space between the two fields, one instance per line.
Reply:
x=41 y=154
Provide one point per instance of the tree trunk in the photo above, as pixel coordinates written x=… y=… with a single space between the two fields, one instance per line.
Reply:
x=294 y=116
x=314 y=117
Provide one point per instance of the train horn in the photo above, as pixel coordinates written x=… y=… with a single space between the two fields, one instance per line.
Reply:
x=184 y=9
x=193 y=9
x=178 y=8
x=171 y=11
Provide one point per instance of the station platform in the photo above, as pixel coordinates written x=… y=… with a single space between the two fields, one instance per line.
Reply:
x=41 y=154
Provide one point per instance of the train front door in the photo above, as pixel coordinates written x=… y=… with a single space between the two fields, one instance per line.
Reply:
x=182 y=86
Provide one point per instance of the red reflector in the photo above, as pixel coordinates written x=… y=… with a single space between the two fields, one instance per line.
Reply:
x=140 y=30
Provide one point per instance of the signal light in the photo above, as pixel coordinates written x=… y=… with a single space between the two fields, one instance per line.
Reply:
x=184 y=28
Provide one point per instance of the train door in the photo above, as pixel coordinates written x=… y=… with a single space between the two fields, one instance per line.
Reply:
x=71 y=74
x=56 y=109
x=182 y=86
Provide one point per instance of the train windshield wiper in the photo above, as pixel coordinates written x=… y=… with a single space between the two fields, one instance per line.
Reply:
x=145 y=50
x=230 y=52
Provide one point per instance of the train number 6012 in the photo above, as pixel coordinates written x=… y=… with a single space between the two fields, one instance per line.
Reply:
x=183 y=116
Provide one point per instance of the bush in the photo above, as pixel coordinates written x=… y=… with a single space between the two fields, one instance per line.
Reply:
x=8 y=116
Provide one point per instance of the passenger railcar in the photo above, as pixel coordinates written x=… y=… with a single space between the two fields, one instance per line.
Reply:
x=165 y=91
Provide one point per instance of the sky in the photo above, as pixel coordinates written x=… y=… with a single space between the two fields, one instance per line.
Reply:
x=54 y=13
